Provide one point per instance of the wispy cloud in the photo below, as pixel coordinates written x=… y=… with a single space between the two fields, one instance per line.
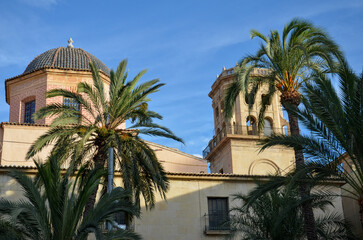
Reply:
x=7 y=59
x=40 y=3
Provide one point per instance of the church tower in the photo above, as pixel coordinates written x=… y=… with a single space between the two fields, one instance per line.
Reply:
x=234 y=147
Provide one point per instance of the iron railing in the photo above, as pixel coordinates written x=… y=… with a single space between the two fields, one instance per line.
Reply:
x=240 y=130
x=216 y=222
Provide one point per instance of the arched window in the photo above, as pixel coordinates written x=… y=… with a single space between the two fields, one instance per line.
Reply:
x=28 y=109
x=247 y=100
x=286 y=131
x=265 y=99
x=251 y=125
x=267 y=127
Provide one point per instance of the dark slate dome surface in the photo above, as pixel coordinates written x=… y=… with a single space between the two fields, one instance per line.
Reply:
x=66 y=58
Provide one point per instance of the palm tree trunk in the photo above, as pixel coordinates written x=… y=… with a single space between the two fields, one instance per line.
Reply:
x=307 y=209
x=99 y=163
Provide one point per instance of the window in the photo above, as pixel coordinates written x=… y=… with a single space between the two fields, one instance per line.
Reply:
x=70 y=102
x=286 y=131
x=218 y=213
x=267 y=127
x=265 y=99
x=251 y=125
x=29 y=111
x=248 y=98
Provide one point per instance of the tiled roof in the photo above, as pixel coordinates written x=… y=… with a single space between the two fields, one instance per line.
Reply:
x=13 y=166
x=210 y=175
x=45 y=125
x=65 y=58
x=218 y=175
x=24 y=124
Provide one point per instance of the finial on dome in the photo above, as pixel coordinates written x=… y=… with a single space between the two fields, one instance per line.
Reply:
x=70 y=41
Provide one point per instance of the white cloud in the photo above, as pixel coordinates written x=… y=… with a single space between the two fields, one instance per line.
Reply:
x=198 y=155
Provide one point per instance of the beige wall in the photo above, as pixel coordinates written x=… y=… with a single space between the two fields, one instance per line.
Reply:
x=9 y=188
x=247 y=158
x=222 y=158
x=182 y=215
x=174 y=160
x=241 y=155
x=16 y=139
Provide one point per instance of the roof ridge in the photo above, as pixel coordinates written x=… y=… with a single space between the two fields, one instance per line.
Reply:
x=55 y=56
x=86 y=53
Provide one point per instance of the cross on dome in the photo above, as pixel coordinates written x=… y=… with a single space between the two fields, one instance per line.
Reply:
x=70 y=41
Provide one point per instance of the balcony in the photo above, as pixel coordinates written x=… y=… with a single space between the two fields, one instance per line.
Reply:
x=241 y=130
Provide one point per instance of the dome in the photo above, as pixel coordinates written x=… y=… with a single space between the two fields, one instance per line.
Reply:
x=66 y=58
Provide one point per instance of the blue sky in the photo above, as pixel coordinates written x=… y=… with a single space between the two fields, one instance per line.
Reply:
x=184 y=43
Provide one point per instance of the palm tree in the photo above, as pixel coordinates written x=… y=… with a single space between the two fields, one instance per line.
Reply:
x=335 y=121
x=277 y=215
x=54 y=203
x=290 y=61
x=86 y=135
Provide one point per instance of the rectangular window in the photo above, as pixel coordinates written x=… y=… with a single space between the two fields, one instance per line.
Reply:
x=29 y=110
x=218 y=213
x=70 y=102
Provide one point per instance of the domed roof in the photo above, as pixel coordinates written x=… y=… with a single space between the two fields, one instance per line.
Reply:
x=66 y=58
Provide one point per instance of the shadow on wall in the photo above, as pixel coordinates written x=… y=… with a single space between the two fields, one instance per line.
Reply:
x=194 y=204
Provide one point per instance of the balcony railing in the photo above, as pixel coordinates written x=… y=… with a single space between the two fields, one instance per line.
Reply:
x=216 y=222
x=241 y=130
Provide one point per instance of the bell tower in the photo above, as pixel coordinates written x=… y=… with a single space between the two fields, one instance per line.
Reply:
x=234 y=147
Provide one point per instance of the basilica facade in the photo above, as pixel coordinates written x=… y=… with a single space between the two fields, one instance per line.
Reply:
x=198 y=196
